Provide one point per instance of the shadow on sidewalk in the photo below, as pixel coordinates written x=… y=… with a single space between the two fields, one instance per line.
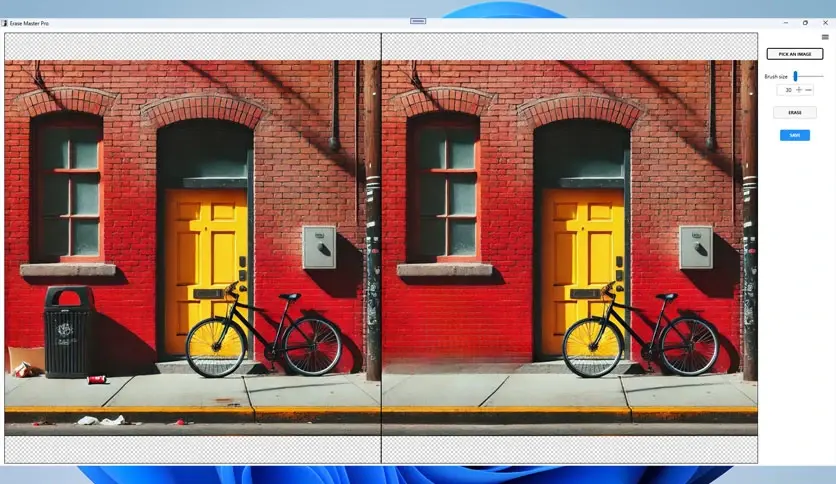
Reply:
x=294 y=387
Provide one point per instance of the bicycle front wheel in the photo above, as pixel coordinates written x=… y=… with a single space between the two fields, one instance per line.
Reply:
x=588 y=355
x=211 y=356
x=689 y=346
x=312 y=347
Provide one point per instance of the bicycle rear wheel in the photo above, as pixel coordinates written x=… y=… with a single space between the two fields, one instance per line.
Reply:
x=583 y=356
x=689 y=346
x=312 y=347
x=209 y=355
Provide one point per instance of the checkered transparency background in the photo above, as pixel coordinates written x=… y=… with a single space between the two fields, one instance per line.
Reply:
x=571 y=46
x=391 y=450
x=193 y=450
x=367 y=46
x=570 y=450
x=57 y=46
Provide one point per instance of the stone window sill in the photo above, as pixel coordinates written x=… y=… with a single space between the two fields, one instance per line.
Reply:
x=447 y=269
x=69 y=269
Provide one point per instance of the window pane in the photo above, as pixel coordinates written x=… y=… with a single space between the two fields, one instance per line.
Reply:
x=462 y=237
x=433 y=238
x=85 y=194
x=431 y=148
x=432 y=193
x=55 y=237
x=85 y=237
x=54 y=148
x=462 y=148
x=85 y=148
x=55 y=195
x=462 y=194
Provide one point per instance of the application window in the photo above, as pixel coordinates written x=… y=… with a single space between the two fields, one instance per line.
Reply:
x=562 y=240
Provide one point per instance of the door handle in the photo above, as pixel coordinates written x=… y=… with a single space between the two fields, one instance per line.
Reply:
x=619 y=288
x=242 y=288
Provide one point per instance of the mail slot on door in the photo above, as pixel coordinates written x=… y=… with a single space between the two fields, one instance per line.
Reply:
x=696 y=247
x=319 y=247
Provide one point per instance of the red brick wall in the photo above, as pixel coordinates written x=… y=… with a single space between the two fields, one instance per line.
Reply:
x=672 y=184
x=297 y=181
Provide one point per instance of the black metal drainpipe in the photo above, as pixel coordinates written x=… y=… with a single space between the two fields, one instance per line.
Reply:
x=710 y=143
x=356 y=142
x=334 y=141
x=733 y=141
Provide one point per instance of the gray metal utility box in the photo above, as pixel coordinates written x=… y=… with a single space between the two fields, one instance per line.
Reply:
x=319 y=247
x=696 y=247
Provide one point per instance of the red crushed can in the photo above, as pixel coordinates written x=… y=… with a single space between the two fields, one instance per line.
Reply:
x=96 y=380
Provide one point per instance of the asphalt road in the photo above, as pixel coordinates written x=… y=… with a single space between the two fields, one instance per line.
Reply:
x=389 y=430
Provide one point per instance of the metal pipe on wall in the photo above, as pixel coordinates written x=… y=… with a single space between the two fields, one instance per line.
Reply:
x=710 y=141
x=356 y=142
x=334 y=140
x=733 y=141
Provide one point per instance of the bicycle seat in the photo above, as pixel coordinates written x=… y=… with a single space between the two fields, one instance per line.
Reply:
x=290 y=297
x=667 y=297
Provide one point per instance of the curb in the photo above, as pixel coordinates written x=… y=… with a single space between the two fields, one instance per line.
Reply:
x=567 y=415
x=707 y=415
x=503 y=415
x=393 y=415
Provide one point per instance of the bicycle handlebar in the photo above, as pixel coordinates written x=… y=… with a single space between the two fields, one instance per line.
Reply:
x=607 y=290
x=230 y=290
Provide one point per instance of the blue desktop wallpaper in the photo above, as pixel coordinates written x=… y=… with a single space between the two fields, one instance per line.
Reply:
x=736 y=475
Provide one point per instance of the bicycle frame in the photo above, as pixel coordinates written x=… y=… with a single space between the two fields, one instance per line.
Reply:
x=274 y=346
x=656 y=328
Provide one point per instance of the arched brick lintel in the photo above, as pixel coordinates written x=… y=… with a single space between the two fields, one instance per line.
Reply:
x=544 y=111
x=66 y=98
x=440 y=99
x=203 y=106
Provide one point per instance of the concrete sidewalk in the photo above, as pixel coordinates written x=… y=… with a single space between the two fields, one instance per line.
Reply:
x=524 y=398
x=438 y=399
x=165 y=398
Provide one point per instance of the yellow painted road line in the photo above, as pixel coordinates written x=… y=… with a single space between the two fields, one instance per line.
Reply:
x=129 y=410
x=292 y=410
x=487 y=410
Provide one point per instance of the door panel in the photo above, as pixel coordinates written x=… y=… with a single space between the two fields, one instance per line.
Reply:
x=582 y=234
x=205 y=234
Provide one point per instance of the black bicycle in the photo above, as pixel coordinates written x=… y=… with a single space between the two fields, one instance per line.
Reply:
x=219 y=341
x=596 y=342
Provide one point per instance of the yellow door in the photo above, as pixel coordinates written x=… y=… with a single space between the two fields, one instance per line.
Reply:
x=205 y=244
x=583 y=238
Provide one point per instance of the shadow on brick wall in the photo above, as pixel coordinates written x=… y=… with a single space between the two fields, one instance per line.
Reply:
x=731 y=362
x=724 y=279
x=117 y=351
x=352 y=358
x=345 y=281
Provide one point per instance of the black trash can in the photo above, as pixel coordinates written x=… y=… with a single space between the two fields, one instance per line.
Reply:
x=68 y=331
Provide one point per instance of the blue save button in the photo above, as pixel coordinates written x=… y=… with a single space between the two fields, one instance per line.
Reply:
x=795 y=135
